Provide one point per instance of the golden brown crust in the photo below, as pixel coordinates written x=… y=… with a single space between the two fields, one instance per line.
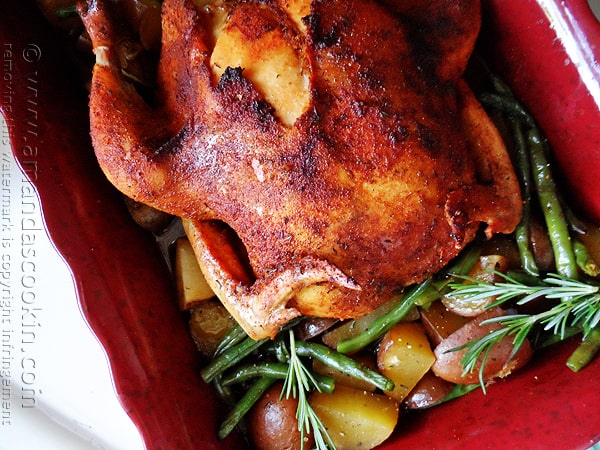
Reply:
x=374 y=179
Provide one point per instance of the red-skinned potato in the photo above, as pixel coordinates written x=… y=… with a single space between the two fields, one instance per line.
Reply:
x=430 y=390
x=541 y=246
x=439 y=322
x=448 y=364
x=272 y=423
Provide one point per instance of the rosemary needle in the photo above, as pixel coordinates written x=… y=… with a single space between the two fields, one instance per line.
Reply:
x=298 y=382
x=578 y=304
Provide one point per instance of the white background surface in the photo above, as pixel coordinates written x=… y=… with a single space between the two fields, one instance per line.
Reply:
x=56 y=390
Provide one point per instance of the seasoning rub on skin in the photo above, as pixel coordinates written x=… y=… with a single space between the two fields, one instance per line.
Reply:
x=334 y=142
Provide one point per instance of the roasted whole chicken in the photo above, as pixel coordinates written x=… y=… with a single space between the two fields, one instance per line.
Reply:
x=322 y=154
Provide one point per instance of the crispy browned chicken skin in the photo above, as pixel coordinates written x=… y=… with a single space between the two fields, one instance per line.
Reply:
x=336 y=139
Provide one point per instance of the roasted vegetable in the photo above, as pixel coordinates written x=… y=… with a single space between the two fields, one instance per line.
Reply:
x=404 y=356
x=273 y=425
x=440 y=323
x=355 y=418
x=209 y=323
x=192 y=287
x=147 y=217
x=429 y=391
x=498 y=361
x=486 y=269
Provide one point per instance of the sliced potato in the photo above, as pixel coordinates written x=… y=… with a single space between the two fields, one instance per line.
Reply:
x=209 y=322
x=278 y=70
x=355 y=418
x=404 y=356
x=192 y=287
x=448 y=364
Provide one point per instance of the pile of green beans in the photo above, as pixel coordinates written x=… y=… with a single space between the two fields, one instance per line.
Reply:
x=535 y=176
x=533 y=167
x=256 y=365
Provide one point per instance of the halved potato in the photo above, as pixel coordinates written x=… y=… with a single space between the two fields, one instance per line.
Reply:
x=499 y=361
x=430 y=390
x=404 y=356
x=440 y=322
x=355 y=418
x=209 y=323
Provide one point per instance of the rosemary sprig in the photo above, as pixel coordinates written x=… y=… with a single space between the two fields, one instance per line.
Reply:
x=578 y=305
x=298 y=382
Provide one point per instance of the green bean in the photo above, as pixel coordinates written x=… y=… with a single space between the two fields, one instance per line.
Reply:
x=344 y=364
x=499 y=84
x=463 y=264
x=66 y=12
x=279 y=349
x=235 y=335
x=381 y=325
x=531 y=157
x=230 y=357
x=586 y=351
x=251 y=396
x=507 y=105
x=584 y=260
x=247 y=372
x=523 y=168
x=558 y=229
x=276 y=371
x=223 y=391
